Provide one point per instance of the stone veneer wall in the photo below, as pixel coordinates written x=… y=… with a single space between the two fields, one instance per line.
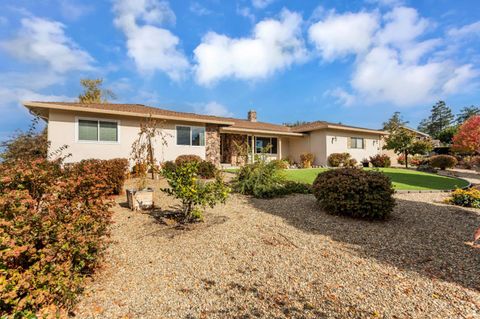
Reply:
x=212 y=144
x=233 y=155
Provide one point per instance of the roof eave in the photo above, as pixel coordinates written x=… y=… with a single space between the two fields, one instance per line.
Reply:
x=32 y=105
x=268 y=132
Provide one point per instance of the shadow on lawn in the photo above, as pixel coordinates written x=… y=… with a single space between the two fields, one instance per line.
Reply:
x=422 y=237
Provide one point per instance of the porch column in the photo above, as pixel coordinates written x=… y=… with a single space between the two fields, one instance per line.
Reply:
x=253 y=148
x=279 y=150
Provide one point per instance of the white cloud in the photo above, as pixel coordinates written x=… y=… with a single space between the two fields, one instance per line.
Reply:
x=260 y=4
x=199 y=10
x=403 y=25
x=247 y=13
x=151 y=47
x=472 y=29
x=213 y=108
x=44 y=41
x=342 y=34
x=392 y=63
x=73 y=10
x=273 y=46
x=386 y=3
x=342 y=97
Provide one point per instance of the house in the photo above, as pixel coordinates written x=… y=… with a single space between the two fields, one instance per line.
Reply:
x=106 y=131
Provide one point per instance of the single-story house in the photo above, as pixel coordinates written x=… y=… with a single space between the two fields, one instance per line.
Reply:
x=108 y=130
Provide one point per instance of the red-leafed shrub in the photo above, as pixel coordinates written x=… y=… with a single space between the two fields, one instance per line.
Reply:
x=380 y=160
x=53 y=227
x=114 y=172
x=443 y=161
x=354 y=192
x=181 y=159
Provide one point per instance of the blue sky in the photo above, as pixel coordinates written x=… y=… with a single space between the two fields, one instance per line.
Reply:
x=354 y=62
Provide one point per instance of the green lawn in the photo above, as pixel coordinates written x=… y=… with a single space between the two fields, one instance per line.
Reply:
x=402 y=179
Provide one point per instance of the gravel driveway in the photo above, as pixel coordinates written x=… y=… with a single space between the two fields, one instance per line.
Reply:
x=284 y=258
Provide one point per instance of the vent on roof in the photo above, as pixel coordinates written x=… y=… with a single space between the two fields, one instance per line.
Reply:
x=252 y=116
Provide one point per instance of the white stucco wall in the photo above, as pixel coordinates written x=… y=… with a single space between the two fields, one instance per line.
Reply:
x=322 y=143
x=337 y=142
x=62 y=131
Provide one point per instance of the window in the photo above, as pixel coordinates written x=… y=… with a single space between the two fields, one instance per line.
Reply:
x=189 y=135
x=97 y=131
x=268 y=144
x=356 y=142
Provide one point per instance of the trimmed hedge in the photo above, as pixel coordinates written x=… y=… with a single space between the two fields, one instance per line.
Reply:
x=207 y=170
x=114 y=172
x=54 y=225
x=338 y=159
x=443 y=161
x=354 y=192
x=181 y=159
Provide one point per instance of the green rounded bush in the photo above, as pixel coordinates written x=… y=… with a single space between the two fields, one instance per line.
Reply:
x=443 y=161
x=354 y=192
x=279 y=164
x=380 y=160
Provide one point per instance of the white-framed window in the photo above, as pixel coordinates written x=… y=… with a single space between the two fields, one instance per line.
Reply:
x=268 y=144
x=93 y=130
x=190 y=135
x=357 y=142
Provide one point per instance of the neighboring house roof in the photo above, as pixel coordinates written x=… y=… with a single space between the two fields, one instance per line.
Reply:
x=228 y=124
x=416 y=132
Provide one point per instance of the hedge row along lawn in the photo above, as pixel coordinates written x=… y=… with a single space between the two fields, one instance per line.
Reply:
x=402 y=179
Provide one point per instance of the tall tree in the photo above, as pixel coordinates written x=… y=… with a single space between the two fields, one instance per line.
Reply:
x=403 y=141
x=466 y=113
x=93 y=92
x=440 y=118
x=394 y=122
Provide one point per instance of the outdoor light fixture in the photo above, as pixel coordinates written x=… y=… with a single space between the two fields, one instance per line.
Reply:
x=334 y=139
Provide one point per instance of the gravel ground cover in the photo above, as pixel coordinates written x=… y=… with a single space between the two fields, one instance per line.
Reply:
x=283 y=258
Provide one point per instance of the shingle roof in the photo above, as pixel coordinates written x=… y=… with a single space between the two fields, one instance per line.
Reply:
x=232 y=123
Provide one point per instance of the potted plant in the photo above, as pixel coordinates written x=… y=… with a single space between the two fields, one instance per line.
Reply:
x=365 y=162
x=143 y=157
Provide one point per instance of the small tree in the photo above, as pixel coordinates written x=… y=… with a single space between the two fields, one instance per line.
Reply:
x=93 y=92
x=193 y=192
x=403 y=141
x=143 y=152
x=467 y=139
x=440 y=118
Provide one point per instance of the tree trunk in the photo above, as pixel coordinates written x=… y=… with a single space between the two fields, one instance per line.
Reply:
x=150 y=157
x=406 y=159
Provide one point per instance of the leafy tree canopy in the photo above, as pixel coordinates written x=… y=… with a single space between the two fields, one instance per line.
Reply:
x=466 y=113
x=394 y=122
x=441 y=117
x=467 y=138
x=403 y=141
x=93 y=92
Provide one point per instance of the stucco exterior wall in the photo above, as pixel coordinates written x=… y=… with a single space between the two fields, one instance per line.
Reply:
x=337 y=142
x=62 y=130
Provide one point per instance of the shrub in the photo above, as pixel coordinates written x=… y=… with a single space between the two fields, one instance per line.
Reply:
x=417 y=160
x=292 y=187
x=465 y=197
x=380 y=160
x=193 y=193
x=475 y=161
x=182 y=159
x=307 y=159
x=351 y=162
x=113 y=172
x=168 y=166
x=207 y=170
x=53 y=225
x=338 y=159
x=443 y=161
x=401 y=159
x=280 y=164
x=260 y=179
x=354 y=192
x=139 y=169
x=365 y=162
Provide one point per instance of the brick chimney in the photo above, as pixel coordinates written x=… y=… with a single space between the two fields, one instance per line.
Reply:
x=252 y=116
